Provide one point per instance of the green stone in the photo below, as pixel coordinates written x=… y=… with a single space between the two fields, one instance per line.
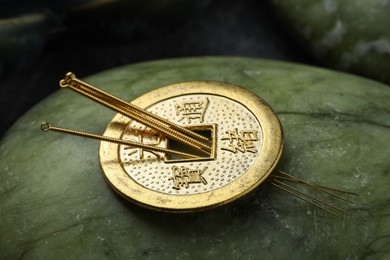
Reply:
x=22 y=38
x=54 y=200
x=348 y=35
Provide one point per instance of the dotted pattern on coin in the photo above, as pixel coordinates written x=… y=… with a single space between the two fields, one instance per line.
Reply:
x=239 y=141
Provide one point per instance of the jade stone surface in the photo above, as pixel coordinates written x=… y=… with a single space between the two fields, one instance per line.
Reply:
x=55 y=202
x=348 y=35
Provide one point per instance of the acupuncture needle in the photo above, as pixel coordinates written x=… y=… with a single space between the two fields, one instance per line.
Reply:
x=140 y=115
x=70 y=77
x=276 y=181
x=48 y=127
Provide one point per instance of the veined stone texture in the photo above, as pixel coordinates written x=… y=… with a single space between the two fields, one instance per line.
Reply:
x=348 y=35
x=55 y=202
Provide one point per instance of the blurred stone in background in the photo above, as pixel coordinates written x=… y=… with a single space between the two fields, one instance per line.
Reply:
x=346 y=35
x=22 y=38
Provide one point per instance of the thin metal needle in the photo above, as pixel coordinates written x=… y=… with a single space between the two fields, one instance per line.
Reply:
x=303 y=198
x=167 y=131
x=136 y=108
x=323 y=189
x=135 y=114
x=47 y=127
x=309 y=196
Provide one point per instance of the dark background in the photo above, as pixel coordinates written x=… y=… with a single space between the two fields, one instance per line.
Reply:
x=225 y=27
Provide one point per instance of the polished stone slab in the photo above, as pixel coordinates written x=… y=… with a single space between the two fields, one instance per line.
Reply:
x=54 y=200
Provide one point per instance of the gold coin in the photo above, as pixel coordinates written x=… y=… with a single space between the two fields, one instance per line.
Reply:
x=246 y=144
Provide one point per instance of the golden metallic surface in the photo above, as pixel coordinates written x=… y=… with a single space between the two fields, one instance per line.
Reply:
x=205 y=139
x=170 y=129
x=246 y=143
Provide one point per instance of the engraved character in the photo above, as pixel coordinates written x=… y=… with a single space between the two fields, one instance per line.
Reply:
x=152 y=139
x=192 y=110
x=242 y=141
x=184 y=176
